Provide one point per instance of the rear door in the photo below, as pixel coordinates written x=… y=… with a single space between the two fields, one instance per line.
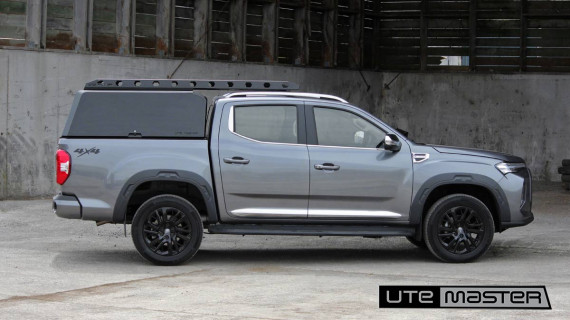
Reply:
x=264 y=161
x=350 y=178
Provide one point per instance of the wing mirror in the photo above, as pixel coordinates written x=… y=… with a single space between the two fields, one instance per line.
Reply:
x=392 y=143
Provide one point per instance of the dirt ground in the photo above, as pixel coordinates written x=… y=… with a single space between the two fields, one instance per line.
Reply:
x=56 y=268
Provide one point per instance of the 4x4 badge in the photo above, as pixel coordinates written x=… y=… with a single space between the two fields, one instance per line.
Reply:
x=82 y=151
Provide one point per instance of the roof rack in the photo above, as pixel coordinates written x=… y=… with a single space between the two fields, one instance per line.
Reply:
x=285 y=94
x=189 y=85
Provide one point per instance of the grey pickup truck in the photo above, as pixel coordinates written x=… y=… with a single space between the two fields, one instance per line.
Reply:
x=264 y=160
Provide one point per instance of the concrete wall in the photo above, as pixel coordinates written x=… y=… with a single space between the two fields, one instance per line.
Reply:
x=527 y=115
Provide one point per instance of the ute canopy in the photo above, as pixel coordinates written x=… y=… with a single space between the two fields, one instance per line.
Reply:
x=141 y=114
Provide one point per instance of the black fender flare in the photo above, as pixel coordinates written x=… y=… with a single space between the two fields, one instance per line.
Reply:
x=418 y=203
x=192 y=178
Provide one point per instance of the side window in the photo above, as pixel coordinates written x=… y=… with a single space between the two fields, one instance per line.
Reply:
x=345 y=129
x=267 y=123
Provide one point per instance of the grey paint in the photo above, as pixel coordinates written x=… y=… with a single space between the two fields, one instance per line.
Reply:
x=522 y=114
x=276 y=182
x=97 y=179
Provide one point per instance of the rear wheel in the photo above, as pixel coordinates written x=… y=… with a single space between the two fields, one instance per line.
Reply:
x=458 y=228
x=167 y=230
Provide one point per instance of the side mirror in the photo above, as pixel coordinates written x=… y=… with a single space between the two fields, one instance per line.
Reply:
x=392 y=143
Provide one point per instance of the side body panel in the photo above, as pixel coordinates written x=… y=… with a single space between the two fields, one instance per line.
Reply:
x=98 y=177
x=273 y=184
x=369 y=183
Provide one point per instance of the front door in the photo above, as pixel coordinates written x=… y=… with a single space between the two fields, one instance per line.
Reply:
x=264 y=161
x=350 y=178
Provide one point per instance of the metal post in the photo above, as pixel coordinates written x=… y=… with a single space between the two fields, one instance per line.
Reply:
x=81 y=22
x=237 y=29
x=269 y=32
x=201 y=28
x=163 y=17
x=34 y=22
x=329 y=33
x=124 y=13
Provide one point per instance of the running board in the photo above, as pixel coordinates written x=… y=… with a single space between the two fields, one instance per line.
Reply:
x=312 y=230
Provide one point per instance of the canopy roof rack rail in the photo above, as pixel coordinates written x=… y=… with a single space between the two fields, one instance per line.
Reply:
x=285 y=94
x=189 y=85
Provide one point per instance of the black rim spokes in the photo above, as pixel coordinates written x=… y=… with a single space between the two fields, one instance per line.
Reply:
x=460 y=230
x=167 y=231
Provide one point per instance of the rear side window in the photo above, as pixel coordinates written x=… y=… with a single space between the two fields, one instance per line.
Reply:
x=138 y=114
x=267 y=123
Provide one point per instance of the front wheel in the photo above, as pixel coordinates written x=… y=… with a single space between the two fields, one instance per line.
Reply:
x=167 y=230
x=458 y=228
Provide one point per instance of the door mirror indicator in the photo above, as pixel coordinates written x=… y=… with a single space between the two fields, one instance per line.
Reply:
x=392 y=143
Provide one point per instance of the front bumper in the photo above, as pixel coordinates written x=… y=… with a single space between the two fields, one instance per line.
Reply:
x=65 y=206
x=518 y=188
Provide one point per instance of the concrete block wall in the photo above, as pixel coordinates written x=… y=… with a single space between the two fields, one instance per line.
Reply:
x=527 y=114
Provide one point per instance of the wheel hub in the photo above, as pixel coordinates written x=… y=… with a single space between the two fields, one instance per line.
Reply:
x=167 y=231
x=460 y=230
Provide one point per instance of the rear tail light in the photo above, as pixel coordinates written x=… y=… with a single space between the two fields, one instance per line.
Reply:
x=62 y=165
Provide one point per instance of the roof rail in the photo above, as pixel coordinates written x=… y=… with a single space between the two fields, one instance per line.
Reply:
x=189 y=85
x=285 y=94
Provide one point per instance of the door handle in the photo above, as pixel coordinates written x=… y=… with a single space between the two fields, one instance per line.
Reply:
x=327 y=166
x=237 y=160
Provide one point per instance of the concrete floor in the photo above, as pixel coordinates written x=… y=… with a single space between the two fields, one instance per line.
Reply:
x=55 y=268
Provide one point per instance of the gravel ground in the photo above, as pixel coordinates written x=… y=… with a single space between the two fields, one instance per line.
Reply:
x=56 y=268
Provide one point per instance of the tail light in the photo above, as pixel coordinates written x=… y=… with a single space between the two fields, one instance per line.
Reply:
x=62 y=165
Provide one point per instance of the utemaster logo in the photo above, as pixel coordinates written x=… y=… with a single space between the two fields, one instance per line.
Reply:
x=493 y=297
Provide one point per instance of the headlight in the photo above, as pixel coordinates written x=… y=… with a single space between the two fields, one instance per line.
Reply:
x=509 y=167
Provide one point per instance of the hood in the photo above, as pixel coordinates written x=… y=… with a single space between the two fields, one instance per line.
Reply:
x=479 y=153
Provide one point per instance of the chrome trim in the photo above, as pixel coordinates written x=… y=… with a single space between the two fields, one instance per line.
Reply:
x=324 y=146
x=269 y=213
x=318 y=213
x=284 y=94
x=419 y=157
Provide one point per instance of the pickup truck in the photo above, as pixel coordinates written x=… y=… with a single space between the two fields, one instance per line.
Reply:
x=264 y=160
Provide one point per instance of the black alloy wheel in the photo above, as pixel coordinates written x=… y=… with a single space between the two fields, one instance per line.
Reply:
x=167 y=230
x=458 y=228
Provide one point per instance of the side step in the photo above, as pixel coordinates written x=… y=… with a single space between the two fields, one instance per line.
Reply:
x=312 y=230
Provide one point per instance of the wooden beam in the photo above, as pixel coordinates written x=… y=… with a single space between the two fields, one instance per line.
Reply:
x=34 y=24
x=81 y=9
x=201 y=28
x=329 y=33
x=269 y=32
x=355 y=34
x=163 y=23
x=301 y=49
x=472 y=34
x=124 y=14
x=423 y=35
x=237 y=29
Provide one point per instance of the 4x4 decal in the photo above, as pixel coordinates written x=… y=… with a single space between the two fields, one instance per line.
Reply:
x=85 y=151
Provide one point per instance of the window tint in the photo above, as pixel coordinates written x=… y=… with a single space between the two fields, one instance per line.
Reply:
x=150 y=114
x=345 y=129
x=267 y=123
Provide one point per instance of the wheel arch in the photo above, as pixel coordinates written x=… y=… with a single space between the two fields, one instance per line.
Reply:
x=481 y=187
x=149 y=183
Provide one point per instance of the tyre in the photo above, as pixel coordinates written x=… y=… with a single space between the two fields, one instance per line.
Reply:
x=566 y=177
x=419 y=244
x=566 y=162
x=167 y=230
x=564 y=170
x=458 y=228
